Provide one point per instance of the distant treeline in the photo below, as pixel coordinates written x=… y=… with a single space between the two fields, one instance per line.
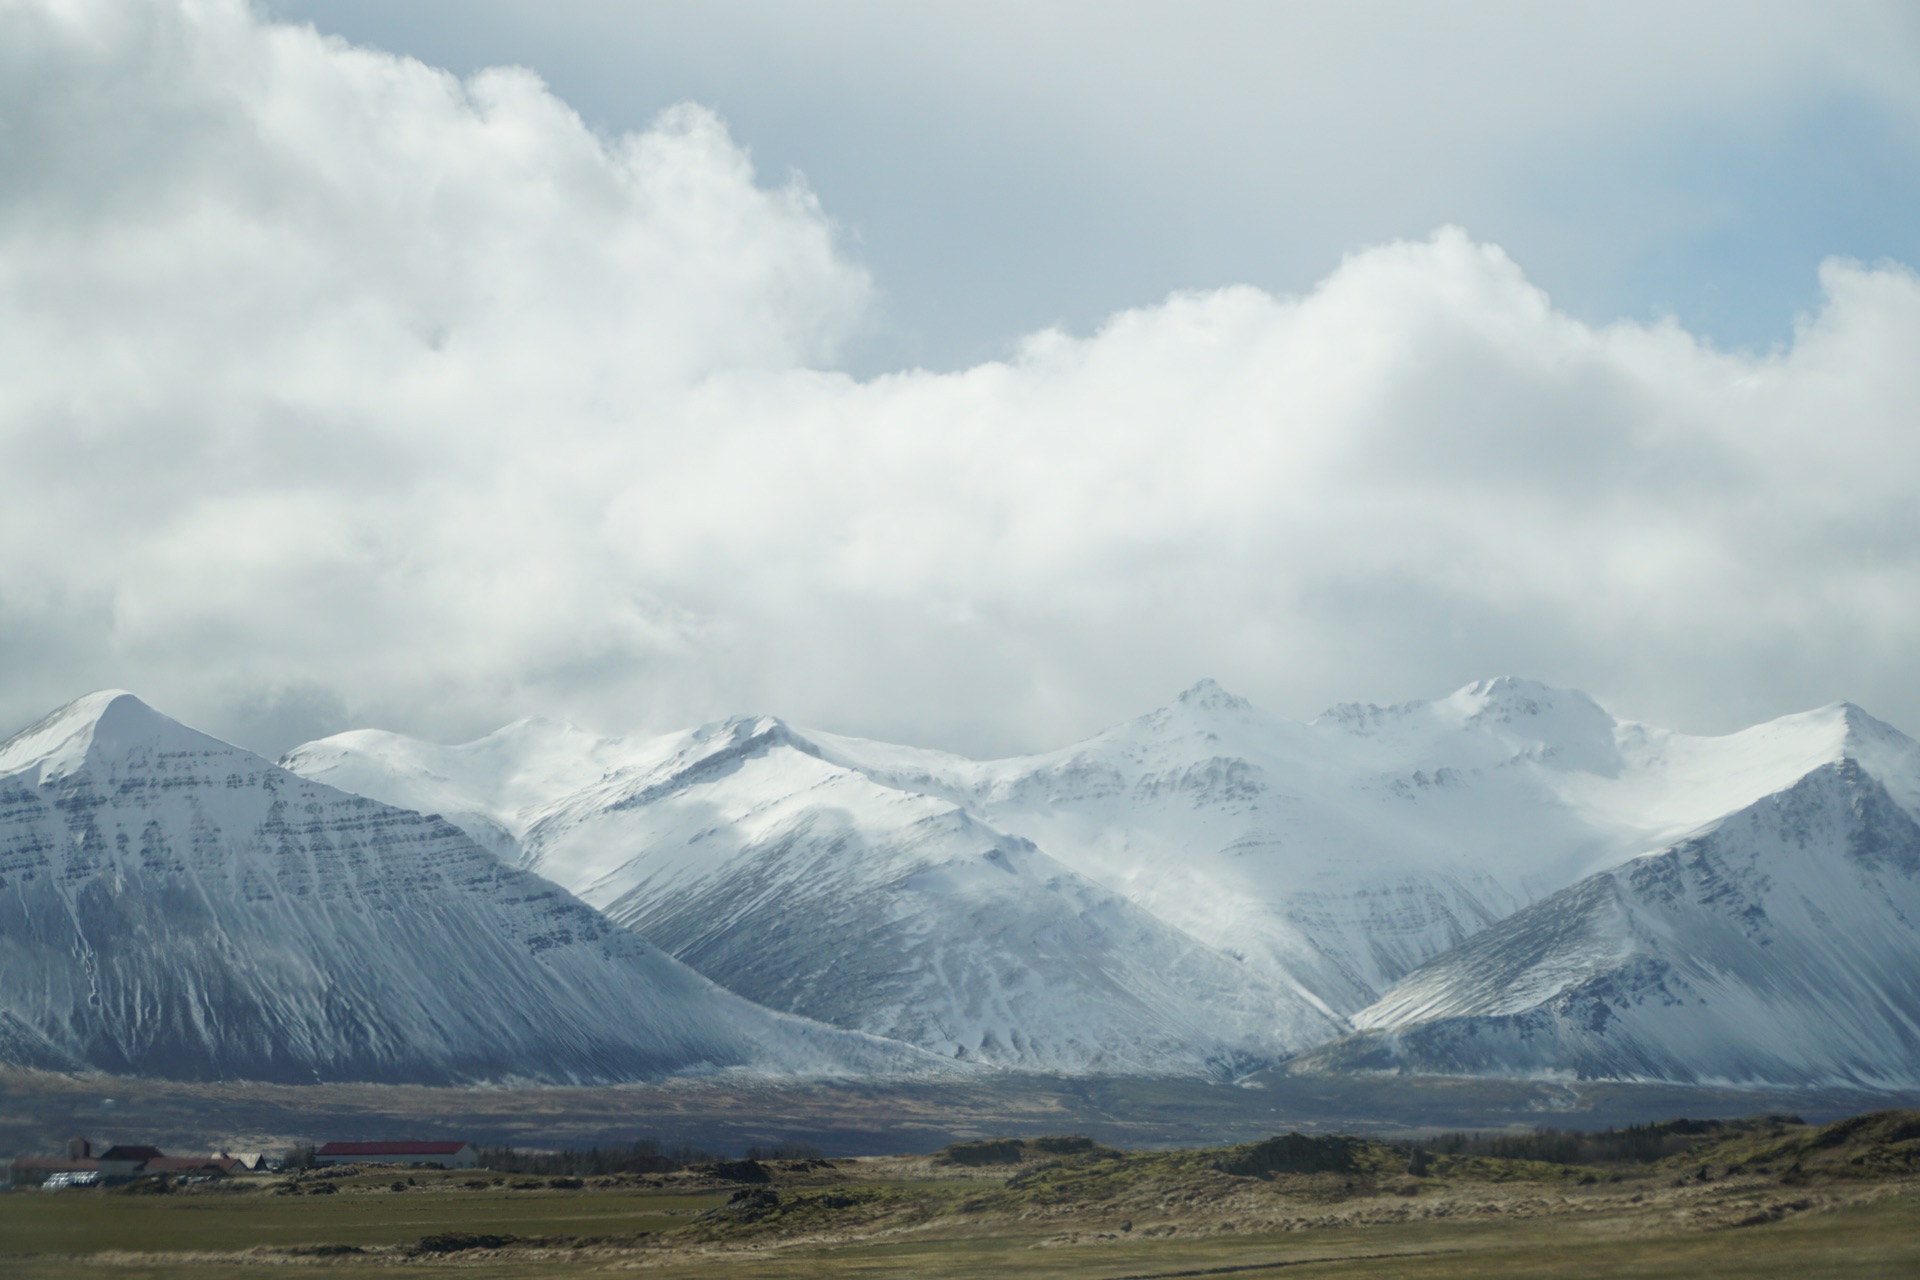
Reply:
x=1635 y=1144
x=786 y=1151
x=647 y=1155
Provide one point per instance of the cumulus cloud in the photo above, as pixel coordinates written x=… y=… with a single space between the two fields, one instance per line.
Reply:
x=337 y=390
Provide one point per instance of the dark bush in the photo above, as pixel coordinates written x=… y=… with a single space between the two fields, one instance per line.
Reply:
x=1071 y=1144
x=460 y=1241
x=1290 y=1153
x=1635 y=1144
x=321 y=1250
x=740 y=1171
x=985 y=1152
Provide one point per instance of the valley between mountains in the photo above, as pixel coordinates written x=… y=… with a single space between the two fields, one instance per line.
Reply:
x=1506 y=882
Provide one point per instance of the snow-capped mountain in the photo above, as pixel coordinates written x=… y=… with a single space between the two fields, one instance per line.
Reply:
x=172 y=905
x=807 y=886
x=1326 y=861
x=1344 y=852
x=484 y=787
x=1780 y=945
x=1337 y=854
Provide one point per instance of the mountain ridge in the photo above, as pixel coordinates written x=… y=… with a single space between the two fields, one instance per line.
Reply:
x=1717 y=960
x=809 y=886
x=172 y=904
x=1329 y=858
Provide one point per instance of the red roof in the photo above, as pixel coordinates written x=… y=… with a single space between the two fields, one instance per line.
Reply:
x=390 y=1149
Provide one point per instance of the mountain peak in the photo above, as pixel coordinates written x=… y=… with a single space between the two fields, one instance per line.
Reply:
x=105 y=724
x=1861 y=725
x=528 y=738
x=1882 y=750
x=1209 y=695
x=1567 y=727
x=743 y=727
x=531 y=728
x=1511 y=696
x=738 y=737
x=1835 y=730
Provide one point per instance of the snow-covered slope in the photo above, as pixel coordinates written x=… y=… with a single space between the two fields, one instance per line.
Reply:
x=808 y=886
x=1782 y=945
x=1348 y=851
x=1326 y=860
x=172 y=905
x=487 y=788
x=1320 y=854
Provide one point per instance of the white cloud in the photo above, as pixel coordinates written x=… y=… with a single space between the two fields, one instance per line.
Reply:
x=1007 y=165
x=334 y=388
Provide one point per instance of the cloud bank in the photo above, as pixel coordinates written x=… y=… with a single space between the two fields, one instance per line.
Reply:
x=335 y=390
x=1007 y=165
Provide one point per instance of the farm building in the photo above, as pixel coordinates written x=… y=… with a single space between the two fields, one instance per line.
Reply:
x=82 y=1166
x=127 y=1160
x=448 y=1155
x=79 y=1161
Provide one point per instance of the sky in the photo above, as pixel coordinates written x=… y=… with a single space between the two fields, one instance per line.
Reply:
x=976 y=376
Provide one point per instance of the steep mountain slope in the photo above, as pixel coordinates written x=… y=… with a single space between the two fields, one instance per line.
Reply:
x=1310 y=852
x=807 y=886
x=1345 y=852
x=172 y=905
x=1326 y=860
x=1780 y=946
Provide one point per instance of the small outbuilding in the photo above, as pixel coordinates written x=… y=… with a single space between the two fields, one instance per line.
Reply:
x=448 y=1155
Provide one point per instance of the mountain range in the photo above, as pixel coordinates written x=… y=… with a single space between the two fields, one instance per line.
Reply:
x=1506 y=881
x=171 y=905
x=1208 y=884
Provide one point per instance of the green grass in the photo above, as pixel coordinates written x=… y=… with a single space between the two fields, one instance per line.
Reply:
x=84 y=1222
x=1877 y=1241
x=1867 y=1242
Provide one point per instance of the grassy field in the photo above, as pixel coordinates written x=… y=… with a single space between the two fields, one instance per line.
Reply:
x=1768 y=1198
x=84 y=1222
